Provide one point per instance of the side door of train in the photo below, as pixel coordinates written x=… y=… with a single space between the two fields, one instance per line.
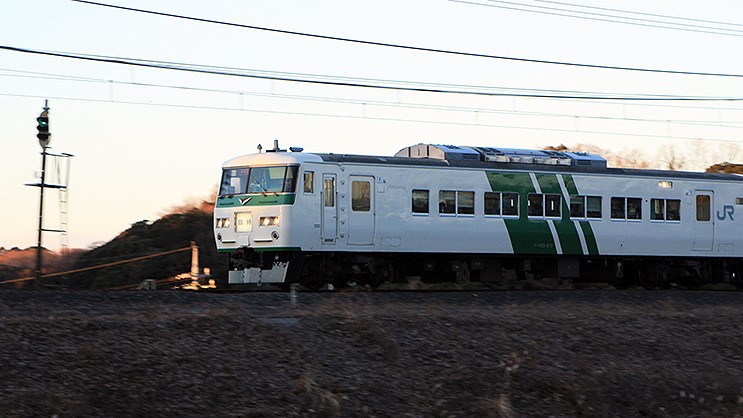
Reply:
x=361 y=213
x=329 y=208
x=704 y=223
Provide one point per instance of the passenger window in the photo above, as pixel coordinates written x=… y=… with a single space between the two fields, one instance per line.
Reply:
x=329 y=192
x=673 y=210
x=510 y=204
x=447 y=202
x=360 y=196
x=657 y=209
x=617 y=208
x=535 y=204
x=290 y=179
x=634 y=208
x=703 y=208
x=466 y=203
x=577 y=206
x=552 y=205
x=420 y=201
x=492 y=203
x=309 y=182
x=593 y=207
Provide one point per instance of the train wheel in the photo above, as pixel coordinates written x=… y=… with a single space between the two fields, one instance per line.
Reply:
x=620 y=283
x=314 y=281
x=737 y=281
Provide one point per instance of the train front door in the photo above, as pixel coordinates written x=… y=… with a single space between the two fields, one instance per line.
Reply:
x=361 y=214
x=704 y=223
x=329 y=202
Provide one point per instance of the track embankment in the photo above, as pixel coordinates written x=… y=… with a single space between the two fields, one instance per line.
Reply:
x=454 y=354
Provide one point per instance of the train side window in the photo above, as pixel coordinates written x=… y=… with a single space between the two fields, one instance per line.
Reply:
x=447 y=202
x=329 y=191
x=593 y=207
x=309 y=182
x=290 y=179
x=510 y=203
x=673 y=210
x=577 y=206
x=535 y=204
x=360 y=196
x=552 y=205
x=420 y=201
x=492 y=203
x=703 y=208
x=657 y=209
x=634 y=208
x=466 y=203
x=617 y=208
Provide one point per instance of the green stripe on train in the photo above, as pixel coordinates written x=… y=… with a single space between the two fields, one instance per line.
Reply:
x=256 y=200
x=588 y=234
x=533 y=236
x=566 y=230
x=528 y=236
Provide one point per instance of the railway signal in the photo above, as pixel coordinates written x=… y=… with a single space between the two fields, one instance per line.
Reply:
x=43 y=127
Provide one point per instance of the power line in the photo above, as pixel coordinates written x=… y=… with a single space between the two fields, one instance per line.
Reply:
x=640 y=13
x=381 y=103
x=204 y=70
x=384 y=119
x=408 y=47
x=602 y=17
x=551 y=93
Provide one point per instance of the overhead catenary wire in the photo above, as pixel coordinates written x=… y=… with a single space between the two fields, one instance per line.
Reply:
x=548 y=93
x=410 y=47
x=381 y=103
x=641 y=13
x=193 y=68
x=390 y=119
x=603 y=17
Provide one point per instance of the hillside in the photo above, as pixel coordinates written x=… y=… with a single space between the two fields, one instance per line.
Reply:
x=172 y=231
x=18 y=263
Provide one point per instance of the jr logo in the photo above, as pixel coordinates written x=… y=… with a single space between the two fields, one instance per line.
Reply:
x=727 y=211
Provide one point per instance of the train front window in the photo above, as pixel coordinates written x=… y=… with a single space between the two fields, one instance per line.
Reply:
x=272 y=179
x=259 y=180
x=234 y=181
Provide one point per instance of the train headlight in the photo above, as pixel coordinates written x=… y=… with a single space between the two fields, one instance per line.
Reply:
x=223 y=223
x=269 y=221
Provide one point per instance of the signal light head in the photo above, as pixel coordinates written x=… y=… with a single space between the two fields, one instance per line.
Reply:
x=43 y=128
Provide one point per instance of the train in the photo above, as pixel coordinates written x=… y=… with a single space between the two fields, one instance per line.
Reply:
x=448 y=213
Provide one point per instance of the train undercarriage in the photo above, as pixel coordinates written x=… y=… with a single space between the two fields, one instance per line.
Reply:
x=342 y=269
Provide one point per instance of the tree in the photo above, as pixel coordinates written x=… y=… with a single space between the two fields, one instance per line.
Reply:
x=725 y=167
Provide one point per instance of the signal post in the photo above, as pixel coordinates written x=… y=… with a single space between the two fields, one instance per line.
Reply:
x=44 y=136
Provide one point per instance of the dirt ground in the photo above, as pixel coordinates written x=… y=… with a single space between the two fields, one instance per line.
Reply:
x=451 y=354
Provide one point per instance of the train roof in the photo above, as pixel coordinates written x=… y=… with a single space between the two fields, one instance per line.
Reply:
x=488 y=158
x=406 y=161
x=434 y=155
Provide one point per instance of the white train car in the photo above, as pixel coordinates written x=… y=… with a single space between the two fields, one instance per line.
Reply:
x=471 y=213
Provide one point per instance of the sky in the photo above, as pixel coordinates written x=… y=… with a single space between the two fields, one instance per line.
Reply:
x=147 y=139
